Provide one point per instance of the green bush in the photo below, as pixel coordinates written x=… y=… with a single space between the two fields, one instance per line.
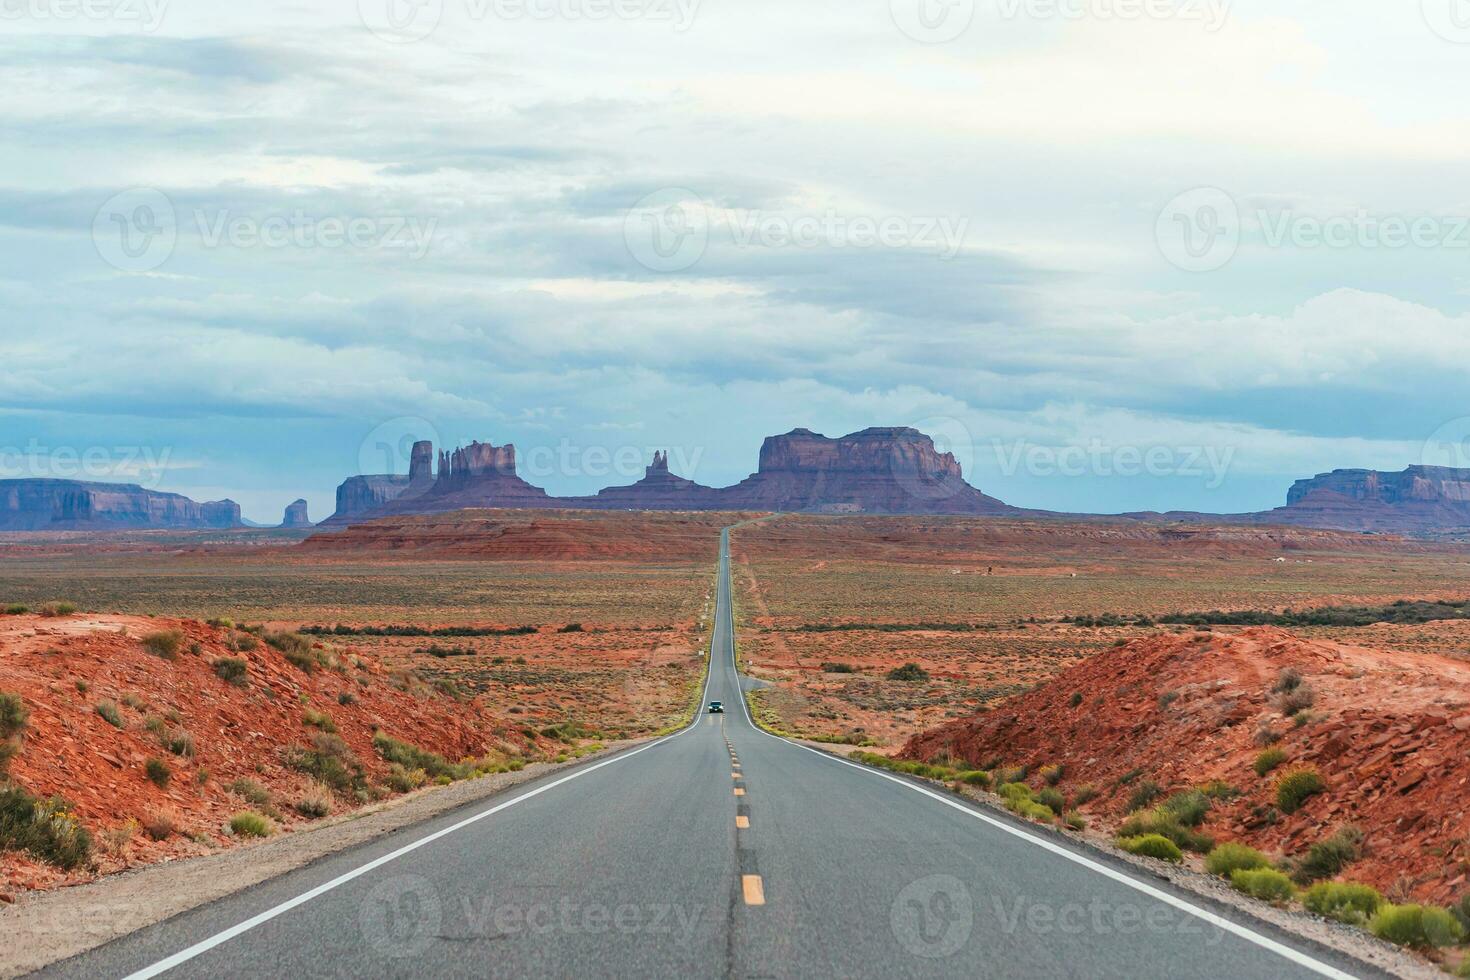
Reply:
x=1143 y=794
x=329 y=760
x=158 y=772
x=1268 y=760
x=1157 y=821
x=1032 y=810
x=1419 y=926
x=1074 y=820
x=413 y=757
x=232 y=670
x=1231 y=856
x=975 y=777
x=1267 y=884
x=1296 y=787
x=110 y=713
x=1152 y=845
x=908 y=672
x=250 y=824
x=251 y=792
x=1013 y=792
x=404 y=780
x=45 y=829
x=1344 y=901
x=317 y=803
x=1329 y=856
x=17 y=609
x=1188 y=807
x=319 y=719
x=179 y=742
x=1218 y=789
x=13 y=716
x=53 y=609
x=164 y=644
x=1053 y=798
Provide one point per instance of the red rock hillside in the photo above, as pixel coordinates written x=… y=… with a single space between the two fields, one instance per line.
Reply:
x=73 y=671
x=1388 y=732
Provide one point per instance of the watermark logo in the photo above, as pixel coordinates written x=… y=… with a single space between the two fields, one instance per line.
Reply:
x=143 y=15
x=142 y=465
x=932 y=21
x=1450 y=19
x=1199 y=230
x=668 y=230
x=1449 y=445
x=949 y=435
x=933 y=917
x=401 y=21
x=1096 y=458
x=401 y=917
x=136 y=230
x=405 y=234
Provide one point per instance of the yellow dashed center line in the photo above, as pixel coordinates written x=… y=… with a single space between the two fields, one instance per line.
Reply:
x=739 y=791
x=755 y=891
x=742 y=822
x=734 y=775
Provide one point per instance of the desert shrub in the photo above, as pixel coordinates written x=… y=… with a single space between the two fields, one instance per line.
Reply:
x=243 y=643
x=975 y=777
x=1075 y=699
x=1330 y=855
x=319 y=719
x=155 y=725
x=829 y=667
x=17 y=609
x=1268 y=760
x=43 y=828
x=1344 y=901
x=1032 y=810
x=158 y=772
x=329 y=760
x=1052 y=797
x=1013 y=792
x=251 y=792
x=571 y=628
x=908 y=672
x=1188 y=807
x=1287 y=681
x=13 y=716
x=1051 y=775
x=315 y=804
x=180 y=743
x=1419 y=926
x=250 y=824
x=1295 y=787
x=346 y=698
x=160 y=824
x=1074 y=820
x=232 y=670
x=110 y=713
x=1165 y=824
x=1296 y=700
x=1007 y=774
x=1152 y=845
x=413 y=757
x=164 y=644
x=221 y=622
x=1167 y=698
x=1267 y=884
x=53 y=609
x=1143 y=794
x=1266 y=733
x=404 y=780
x=1218 y=789
x=1231 y=856
x=1084 y=794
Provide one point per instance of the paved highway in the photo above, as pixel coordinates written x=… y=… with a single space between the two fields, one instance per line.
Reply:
x=717 y=852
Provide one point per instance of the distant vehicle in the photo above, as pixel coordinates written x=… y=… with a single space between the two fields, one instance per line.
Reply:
x=717 y=707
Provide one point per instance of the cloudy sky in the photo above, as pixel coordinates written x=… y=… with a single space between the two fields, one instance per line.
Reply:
x=1115 y=254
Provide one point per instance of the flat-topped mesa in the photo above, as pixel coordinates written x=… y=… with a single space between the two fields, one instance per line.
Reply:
x=74 y=505
x=1417 y=483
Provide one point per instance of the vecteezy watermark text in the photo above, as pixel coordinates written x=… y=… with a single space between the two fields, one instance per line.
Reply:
x=144 y=465
x=1210 y=464
x=940 y=21
x=144 y=15
x=405 y=21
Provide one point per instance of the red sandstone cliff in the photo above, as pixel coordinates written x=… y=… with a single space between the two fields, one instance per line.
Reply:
x=72 y=505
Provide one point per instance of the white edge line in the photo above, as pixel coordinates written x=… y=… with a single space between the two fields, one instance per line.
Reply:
x=1265 y=942
x=218 y=939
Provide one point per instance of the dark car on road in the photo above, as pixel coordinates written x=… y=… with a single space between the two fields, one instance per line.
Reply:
x=717 y=707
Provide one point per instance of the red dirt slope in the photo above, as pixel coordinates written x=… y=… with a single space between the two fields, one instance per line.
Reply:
x=1388 y=732
x=63 y=668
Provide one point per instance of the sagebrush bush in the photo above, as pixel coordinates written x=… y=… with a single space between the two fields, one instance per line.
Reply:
x=232 y=670
x=1296 y=700
x=13 y=716
x=315 y=803
x=110 y=713
x=1267 y=884
x=1296 y=787
x=53 y=609
x=1231 y=856
x=164 y=644
x=43 y=828
x=1329 y=856
x=1053 y=798
x=251 y=824
x=1288 y=680
x=1164 y=824
x=319 y=719
x=403 y=780
x=251 y=792
x=158 y=772
x=975 y=777
x=1419 y=926
x=1188 y=807
x=1218 y=789
x=1344 y=901
x=179 y=742
x=329 y=760
x=908 y=672
x=1152 y=845
x=160 y=824
x=1143 y=794
x=1074 y=820
x=413 y=757
x=1268 y=760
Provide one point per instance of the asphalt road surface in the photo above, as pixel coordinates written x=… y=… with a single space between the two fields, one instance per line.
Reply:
x=721 y=851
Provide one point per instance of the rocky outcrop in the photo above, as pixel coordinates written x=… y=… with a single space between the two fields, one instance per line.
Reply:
x=361 y=495
x=296 y=515
x=72 y=505
x=875 y=471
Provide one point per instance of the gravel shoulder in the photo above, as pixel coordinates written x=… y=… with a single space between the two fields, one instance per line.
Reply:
x=49 y=926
